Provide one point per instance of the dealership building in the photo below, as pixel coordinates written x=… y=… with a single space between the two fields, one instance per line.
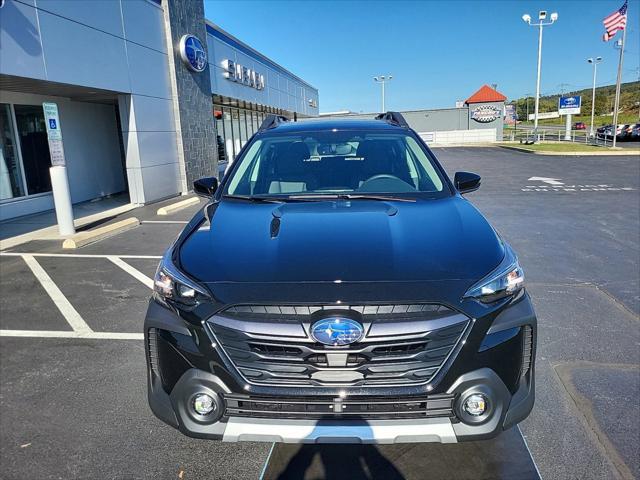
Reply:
x=149 y=94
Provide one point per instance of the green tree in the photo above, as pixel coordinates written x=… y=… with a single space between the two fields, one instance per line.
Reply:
x=601 y=104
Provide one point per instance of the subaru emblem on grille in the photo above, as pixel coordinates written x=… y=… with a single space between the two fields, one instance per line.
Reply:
x=337 y=331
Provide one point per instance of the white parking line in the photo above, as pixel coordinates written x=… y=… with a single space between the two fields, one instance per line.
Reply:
x=182 y=222
x=62 y=334
x=526 y=445
x=76 y=255
x=134 y=272
x=266 y=462
x=70 y=314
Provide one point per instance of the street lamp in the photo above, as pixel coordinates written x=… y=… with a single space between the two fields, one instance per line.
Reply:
x=542 y=15
x=382 y=80
x=594 y=62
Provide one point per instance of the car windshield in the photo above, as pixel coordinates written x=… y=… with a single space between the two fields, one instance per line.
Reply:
x=344 y=163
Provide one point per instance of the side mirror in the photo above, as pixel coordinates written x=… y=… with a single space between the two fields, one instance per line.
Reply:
x=466 y=182
x=205 y=187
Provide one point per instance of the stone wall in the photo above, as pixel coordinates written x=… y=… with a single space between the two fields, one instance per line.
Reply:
x=192 y=94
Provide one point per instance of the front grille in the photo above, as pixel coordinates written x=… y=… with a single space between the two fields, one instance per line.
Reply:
x=402 y=345
x=312 y=408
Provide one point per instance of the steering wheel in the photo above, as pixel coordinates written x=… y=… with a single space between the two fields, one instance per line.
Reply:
x=382 y=176
x=385 y=182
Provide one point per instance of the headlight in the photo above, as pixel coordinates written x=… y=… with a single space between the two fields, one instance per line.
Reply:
x=171 y=284
x=504 y=281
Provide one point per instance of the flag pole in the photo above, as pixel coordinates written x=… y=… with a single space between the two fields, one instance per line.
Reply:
x=617 y=102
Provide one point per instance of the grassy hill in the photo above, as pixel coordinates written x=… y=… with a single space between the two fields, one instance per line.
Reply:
x=605 y=97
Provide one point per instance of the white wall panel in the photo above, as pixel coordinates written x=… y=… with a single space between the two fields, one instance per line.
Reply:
x=144 y=23
x=100 y=14
x=81 y=55
x=161 y=181
x=157 y=148
x=21 y=52
x=149 y=71
x=152 y=114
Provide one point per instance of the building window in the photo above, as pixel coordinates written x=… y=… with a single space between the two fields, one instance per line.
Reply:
x=228 y=133
x=243 y=128
x=235 y=124
x=219 y=126
x=11 y=178
x=34 y=147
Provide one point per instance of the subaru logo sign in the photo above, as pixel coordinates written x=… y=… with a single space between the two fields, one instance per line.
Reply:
x=336 y=331
x=193 y=53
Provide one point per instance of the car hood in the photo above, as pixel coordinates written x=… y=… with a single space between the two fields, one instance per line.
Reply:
x=342 y=242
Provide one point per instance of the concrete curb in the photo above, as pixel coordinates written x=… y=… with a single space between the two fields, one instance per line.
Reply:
x=461 y=145
x=174 y=207
x=51 y=232
x=575 y=154
x=90 y=236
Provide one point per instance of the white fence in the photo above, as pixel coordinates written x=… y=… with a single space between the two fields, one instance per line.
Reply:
x=450 y=137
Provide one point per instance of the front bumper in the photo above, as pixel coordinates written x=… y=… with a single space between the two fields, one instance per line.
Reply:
x=505 y=411
x=195 y=369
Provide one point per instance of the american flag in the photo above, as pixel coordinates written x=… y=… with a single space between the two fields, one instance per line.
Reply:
x=614 y=22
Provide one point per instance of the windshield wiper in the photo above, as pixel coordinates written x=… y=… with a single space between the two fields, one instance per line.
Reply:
x=351 y=196
x=255 y=199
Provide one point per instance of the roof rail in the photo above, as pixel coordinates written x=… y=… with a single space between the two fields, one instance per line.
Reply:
x=393 y=117
x=272 y=121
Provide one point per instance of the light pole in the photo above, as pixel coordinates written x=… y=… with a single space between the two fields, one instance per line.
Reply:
x=528 y=95
x=542 y=15
x=382 y=80
x=594 y=62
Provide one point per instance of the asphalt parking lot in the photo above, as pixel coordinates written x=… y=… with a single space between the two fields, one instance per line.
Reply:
x=72 y=374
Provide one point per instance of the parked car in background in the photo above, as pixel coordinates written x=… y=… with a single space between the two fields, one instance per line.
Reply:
x=605 y=132
x=635 y=132
x=579 y=126
x=621 y=131
x=627 y=131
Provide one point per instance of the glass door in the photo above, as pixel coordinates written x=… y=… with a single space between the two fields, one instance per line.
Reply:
x=34 y=147
x=11 y=177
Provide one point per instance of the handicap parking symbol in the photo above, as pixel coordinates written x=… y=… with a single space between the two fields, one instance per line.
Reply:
x=52 y=123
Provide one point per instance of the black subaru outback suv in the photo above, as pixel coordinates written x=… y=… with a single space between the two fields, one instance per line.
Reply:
x=338 y=288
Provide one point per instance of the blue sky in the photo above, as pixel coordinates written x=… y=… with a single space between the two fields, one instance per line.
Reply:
x=438 y=52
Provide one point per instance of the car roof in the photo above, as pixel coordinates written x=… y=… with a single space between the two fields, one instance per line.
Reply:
x=320 y=124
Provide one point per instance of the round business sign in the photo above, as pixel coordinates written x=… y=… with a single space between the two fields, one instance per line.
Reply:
x=486 y=113
x=193 y=53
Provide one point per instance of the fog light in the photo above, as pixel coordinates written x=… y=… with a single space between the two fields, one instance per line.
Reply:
x=203 y=404
x=475 y=404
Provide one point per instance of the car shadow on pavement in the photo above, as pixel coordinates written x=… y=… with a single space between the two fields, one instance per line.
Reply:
x=337 y=462
x=503 y=457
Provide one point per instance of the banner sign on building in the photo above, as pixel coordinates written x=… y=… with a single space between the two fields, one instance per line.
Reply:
x=543 y=115
x=569 y=105
x=54 y=134
x=510 y=114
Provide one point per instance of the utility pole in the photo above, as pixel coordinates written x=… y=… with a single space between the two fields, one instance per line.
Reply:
x=618 y=81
